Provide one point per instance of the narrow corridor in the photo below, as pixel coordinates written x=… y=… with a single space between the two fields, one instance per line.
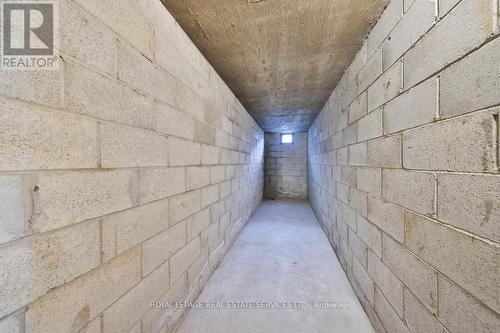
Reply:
x=282 y=255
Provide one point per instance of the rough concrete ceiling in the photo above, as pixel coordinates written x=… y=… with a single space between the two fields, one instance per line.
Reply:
x=282 y=58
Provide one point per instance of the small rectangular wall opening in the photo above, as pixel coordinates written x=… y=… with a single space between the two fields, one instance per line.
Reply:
x=286 y=138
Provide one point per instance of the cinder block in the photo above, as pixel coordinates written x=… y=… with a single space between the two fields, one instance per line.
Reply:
x=183 y=152
x=209 y=155
x=123 y=314
x=461 y=31
x=470 y=202
x=385 y=152
x=343 y=120
x=358 y=108
x=181 y=261
x=95 y=326
x=418 y=106
x=224 y=222
x=370 y=234
x=349 y=216
x=34 y=265
x=157 y=250
x=359 y=201
x=389 y=318
x=204 y=133
x=349 y=94
x=137 y=328
x=447 y=145
x=197 y=223
x=358 y=154
x=217 y=209
x=370 y=126
x=342 y=229
x=408 y=4
x=209 y=195
x=387 y=216
x=349 y=175
x=123 y=18
x=217 y=174
x=235 y=185
x=225 y=189
x=359 y=60
x=371 y=71
x=210 y=237
x=343 y=196
x=230 y=172
x=446 y=5
x=123 y=230
x=199 y=266
x=373 y=317
x=418 y=318
x=415 y=274
x=460 y=312
x=38 y=86
x=184 y=205
x=364 y=280
x=169 y=58
x=90 y=93
x=413 y=25
x=139 y=72
x=227 y=126
x=349 y=134
x=225 y=227
x=64 y=198
x=13 y=323
x=386 y=282
x=37 y=138
x=123 y=146
x=470 y=262
x=343 y=156
x=358 y=248
x=76 y=303
x=174 y=122
x=16 y=208
x=391 y=16
x=154 y=319
x=471 y=84
x=197 y=177
x=86 y=39
x=225 y=156
x=345 y=255
x=221 y=138
x=412 y=190
x=161 y=183
x=161 y=19
x=387 y=86
x=369 y=180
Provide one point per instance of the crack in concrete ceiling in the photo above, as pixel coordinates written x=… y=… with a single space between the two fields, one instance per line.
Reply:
x=281 y=58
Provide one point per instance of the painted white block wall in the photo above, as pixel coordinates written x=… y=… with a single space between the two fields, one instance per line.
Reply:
x=124 y=176
x=403 y=168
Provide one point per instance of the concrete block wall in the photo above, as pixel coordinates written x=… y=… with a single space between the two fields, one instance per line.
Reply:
x=403 y=168
x=285 y=166
x=124 y=176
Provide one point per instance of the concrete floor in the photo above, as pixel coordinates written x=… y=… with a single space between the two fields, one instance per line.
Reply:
x=281 y=255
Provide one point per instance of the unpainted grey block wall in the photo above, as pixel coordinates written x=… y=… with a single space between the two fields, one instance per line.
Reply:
x=124 y=176
x=403 y=168
x=285 y=166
